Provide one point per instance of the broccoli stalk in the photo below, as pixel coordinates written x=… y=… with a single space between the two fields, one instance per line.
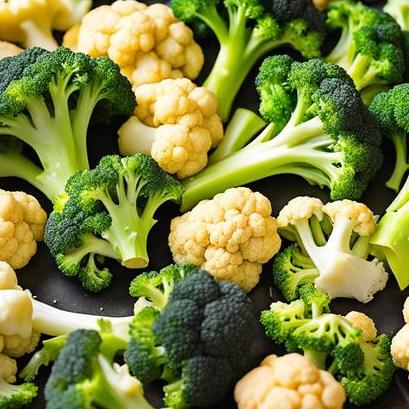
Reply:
x=47 y=100
x=329 y=137
x=370 y=47
x=16 y=396
x=399 y=10
x=252 y=29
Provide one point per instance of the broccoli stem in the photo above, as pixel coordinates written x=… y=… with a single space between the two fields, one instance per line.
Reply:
x=54 y=322
x=316 y=357
x=241 y=129
x=401 y=162
x=361 y=72
x=266 y=159
x=342 y=54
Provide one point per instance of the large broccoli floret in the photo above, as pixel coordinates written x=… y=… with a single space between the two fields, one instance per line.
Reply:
x=370 y=47
x=251 y=29
x=333 y=239
x=46 y=101
x=329 y=137
x=16 y=396
x=83 y=376
x=108 y=211
x=183 y=343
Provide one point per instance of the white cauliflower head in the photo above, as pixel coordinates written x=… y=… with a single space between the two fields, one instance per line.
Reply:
x=364 y=323
x=230 y=236
x=147 y=42
x=176 y=123
x=288 y=382
x=300 y=208
x=22 y=222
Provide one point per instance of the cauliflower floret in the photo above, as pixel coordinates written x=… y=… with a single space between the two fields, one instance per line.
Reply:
x=288 y=382
x=322 y=4
x=8 y=368
x=176 y=123
x=16 y=346
x=148 y=43
x=364 y=323
x=405 y=311
x=400 y=348
x=300 y=208
x=22 y=222
x=230 y=236
x=8 y=49
x=359 y=214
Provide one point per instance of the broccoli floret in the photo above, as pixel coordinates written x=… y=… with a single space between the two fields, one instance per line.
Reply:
x=251 y=29
x=373 y=378
x=399 y=10
x=83 y=376
x=46 y=101
x=16 y=396
x=185 y=345
x=46 y=355
x=108 y=211
x=157 y=287
x=370 y=47
x=291 y=270
x=330 y=139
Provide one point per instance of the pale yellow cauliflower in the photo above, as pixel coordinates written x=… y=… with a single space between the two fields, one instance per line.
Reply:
x=22 y=222
x=364 y=323
x=176 y=123
x=230 y=236
x=288 y=382
x=400 y=342
x=147 y=42
x=17 y=336
x=8 y=49
x=299 y=209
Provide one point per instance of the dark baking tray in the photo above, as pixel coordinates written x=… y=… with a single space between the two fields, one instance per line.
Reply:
x=50 y=286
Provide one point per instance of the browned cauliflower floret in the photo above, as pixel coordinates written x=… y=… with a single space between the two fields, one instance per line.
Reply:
x=230 y=236
x=147 y=42
x=22 y=223
x=288 y=382
x=176 y=123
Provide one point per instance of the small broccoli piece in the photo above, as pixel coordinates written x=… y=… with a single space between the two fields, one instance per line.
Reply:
x=329 y=138
x=108 y=211
x=83 y=376
x=157 y=287
x=16 y=396
x=335 y=237
x=370 y=47
x=251 y=29
x=399 y=10
x=182 y=343
x=46 y=101
x=47 y=354
x=292 y=269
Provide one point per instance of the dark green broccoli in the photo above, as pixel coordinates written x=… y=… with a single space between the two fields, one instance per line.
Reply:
x=108 y=211
x=83 y=376
x=183 y=343
x=16 y=396
x=329 y=137
x=291 y=270
x=332 y=343
x=251 y=29
x=370 y=47
x=46 y=101
x=158 y=286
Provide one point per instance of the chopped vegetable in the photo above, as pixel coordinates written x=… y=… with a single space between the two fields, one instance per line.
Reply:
x=231 y=236
x=46 y=101
x=399 y=10
x=9 y=49
x=400 y=342
x=176 y=123
x=318 y=129
x=333 y=244
x=252 y=29
x=108 y=211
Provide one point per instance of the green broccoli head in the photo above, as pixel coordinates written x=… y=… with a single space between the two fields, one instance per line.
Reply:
x=108 y=211
x=373 y=378
x=186 y=341
x=16 y=396
x=47 y=101
x=247 y=30
x=291 y=270
x=370 y=47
